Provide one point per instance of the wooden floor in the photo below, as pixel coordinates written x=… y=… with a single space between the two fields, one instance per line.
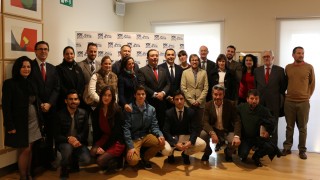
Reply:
x=290 y=167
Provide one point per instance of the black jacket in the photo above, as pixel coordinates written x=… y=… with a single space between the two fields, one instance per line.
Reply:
x=63 y=124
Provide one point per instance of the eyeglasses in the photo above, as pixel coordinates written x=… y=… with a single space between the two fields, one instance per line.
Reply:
x=42 y=49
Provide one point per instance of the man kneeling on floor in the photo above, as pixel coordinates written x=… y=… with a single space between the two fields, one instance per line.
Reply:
x=221 y=122
x=71 y=134
x=181 y=130
x=257 y=128
x=141 y=130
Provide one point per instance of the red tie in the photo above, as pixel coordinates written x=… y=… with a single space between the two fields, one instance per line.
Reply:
x=43 y=71
x=155 y=73
x=267 y=75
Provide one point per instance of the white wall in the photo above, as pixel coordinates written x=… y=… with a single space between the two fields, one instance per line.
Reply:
x=61 y=22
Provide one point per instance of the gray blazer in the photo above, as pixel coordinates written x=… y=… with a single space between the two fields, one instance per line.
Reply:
x=85 y=67
x=271 y=94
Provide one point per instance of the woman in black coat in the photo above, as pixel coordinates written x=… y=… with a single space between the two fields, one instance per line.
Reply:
x=21 y=115
x=127 y=82
x=222 y=75
x=71 y=77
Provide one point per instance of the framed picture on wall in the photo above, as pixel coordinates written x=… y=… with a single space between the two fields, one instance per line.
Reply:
x=20 y=37
x=28 y=9
x=240 y=55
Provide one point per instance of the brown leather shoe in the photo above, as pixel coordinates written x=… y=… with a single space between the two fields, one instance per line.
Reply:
x=302 y=155
x=286 y=152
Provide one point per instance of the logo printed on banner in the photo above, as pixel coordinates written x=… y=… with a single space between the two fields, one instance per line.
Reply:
x=141 y=53
x=80 y=53
x=173 y=38
x=78 y=45
x=99 y=45
x=100 y=53
x=151 y=45
x=167 y=46
x=136 y=45
x=79 y=35
x=161 y=54
x=117 y=45
x=127 y=36
x=110 y=44
x=158 y=37
x=86 y=36
x=120 y=36
x=129 y=44
x=140 y=36
x=108 y=53
x=107 y=36
x=181 y=46
x=100 y=35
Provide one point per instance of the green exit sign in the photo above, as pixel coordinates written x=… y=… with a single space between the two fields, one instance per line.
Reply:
x=67 y=2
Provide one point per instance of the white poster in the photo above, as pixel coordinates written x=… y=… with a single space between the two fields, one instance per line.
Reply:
x=110 y=44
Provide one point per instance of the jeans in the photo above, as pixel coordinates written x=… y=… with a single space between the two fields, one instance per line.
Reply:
x=69 y=154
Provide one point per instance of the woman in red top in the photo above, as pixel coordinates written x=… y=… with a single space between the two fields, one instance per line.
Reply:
x=108 y=141
x=249 y=63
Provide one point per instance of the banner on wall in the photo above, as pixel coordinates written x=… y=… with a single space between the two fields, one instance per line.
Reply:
x=109 y=44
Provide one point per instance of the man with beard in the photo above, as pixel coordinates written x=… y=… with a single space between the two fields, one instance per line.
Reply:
x=221 y=123
x=233 y=65
x=125 y=51
x=174 y=73
x=71 y=133
x=257 y=125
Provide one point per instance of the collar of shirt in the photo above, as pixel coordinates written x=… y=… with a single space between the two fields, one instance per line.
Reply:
x=180 y=110
x=217 y=105
x=39 y=62
x=91 y=62
x=170 y=65
x=265 y=67
x=142 y=107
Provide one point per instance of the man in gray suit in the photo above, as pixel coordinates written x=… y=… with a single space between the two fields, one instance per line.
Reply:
x=89 y=66
x=234 y=65
x=270 y=81
x=157 y=84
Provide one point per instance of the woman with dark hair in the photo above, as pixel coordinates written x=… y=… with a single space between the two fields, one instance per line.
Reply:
x=71 y=77
x=127 y=83
x=22 y=120
x=249 y=63
x=183 y=58
x=108 y=140
x=102 y=78
x=222 y=75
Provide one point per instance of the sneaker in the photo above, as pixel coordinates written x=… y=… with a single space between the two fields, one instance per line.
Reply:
x=185 y=158
x=146 y=165
x=286 y=152
x=302 y=155
x=171 y=159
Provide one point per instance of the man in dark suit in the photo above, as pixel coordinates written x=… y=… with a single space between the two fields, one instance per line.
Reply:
x=181 y=130
x=174 y=73
x=207 y=65
x=234 y=66
x=270 y=81
x=156 y=83
x=221 y=123
x=46 y=78
x=125 y=51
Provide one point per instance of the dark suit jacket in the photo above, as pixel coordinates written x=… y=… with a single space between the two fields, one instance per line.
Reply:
x=210 y=67
x=147 y=78
x=49 y=89
x=175 y=84
x=230 y=118
x=86 y=69
x=271 y=94
x=189 y=125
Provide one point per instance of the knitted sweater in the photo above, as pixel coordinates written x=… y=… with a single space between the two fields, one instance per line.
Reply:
x=301 y=82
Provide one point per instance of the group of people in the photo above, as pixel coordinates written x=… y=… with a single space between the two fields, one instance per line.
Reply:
x=136 y=113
